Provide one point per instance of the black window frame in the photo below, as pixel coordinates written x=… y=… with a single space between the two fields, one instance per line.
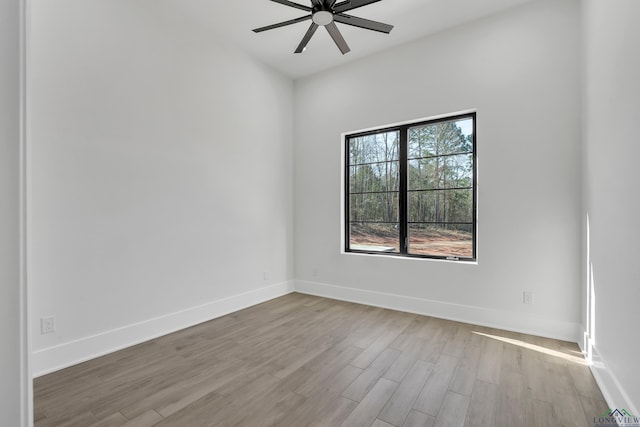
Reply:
x=403 y=161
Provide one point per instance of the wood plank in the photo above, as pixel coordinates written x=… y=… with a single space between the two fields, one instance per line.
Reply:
x=147 y=419
x=38 y=415
x=465 y=374
x=490 y=361
x=593 y=407
x=334 y=415
x=70 y=420
x=439 y=334
x=568 y=409
x=419 y=419
x=187 y=388
x=430 y=399
x=271 y=409
x=385 y=360
x=539 y=413
x=367 y=410
x=400 y=368
x=114 y=420
x=512 y=359
x=398 y=407
x=511 y=400
x=389 y=334
x=482 y=407
x=361 y=386
x=228 y=409
x=327 y=400
x=584 y=382
x=177 y=398
x=198 y=413
x=318 y=379
x=538 y=386
x=456 y=344
x=453 y=411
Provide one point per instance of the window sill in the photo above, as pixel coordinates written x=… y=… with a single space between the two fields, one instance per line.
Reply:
x=391 y=255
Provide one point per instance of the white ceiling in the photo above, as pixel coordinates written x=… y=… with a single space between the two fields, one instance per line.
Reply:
x=412 y=19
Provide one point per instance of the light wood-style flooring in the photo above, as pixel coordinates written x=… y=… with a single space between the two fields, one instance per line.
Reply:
x=301 y=360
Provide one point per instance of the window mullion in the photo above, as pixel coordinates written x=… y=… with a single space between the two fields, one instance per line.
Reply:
x=402 y=199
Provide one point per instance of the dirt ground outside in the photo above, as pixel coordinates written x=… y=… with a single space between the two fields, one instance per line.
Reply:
x=434 y=241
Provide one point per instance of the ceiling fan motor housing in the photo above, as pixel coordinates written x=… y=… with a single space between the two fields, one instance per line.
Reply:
x=322 y=17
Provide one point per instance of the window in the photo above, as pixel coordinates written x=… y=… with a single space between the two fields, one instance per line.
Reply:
x=410 y=190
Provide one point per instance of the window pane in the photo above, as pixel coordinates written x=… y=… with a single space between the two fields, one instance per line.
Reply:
x=422 y=174
x=378 y=207
x=374 y=177
x=441 y=138
x=440 y=206
x=454 y=171
x=374 y=237
x=379 y=147
x=450 y=240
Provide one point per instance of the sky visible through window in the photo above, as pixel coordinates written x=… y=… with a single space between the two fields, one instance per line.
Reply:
x=466 y=126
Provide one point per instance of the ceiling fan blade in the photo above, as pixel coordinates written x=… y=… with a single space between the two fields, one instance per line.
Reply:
x=292 y=4
x=351 y=4
x=337 y=37
x=317 y=3
x=363 y=23
x=282 y=24
x=305 y=40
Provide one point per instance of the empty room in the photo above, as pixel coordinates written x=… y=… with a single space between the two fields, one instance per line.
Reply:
x=217 y=213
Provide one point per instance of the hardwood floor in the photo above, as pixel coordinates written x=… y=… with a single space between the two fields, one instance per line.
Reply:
x=301 y=360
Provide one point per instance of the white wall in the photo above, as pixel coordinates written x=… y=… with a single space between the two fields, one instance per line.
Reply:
x=520 y=70
x=611 y=112
x=145 y=220
x=161 y=176
x=13 y=360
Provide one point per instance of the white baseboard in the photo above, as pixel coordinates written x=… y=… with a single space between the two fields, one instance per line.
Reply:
x=71 y=353
x=609 y=385
x=500 y=319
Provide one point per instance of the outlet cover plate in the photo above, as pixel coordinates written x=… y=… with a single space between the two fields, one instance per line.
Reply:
x=47 y=325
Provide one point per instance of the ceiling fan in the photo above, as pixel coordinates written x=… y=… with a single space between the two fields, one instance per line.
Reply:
x=326 y=13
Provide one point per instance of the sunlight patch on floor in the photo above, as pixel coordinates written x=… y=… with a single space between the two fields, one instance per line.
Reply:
x=550 y=352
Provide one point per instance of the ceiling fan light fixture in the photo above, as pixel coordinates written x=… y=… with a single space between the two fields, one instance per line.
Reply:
x=322 y=17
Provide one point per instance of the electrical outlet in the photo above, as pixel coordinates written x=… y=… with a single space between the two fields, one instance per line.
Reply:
x=47 y=325
x=527 y=298
x=265 y=275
